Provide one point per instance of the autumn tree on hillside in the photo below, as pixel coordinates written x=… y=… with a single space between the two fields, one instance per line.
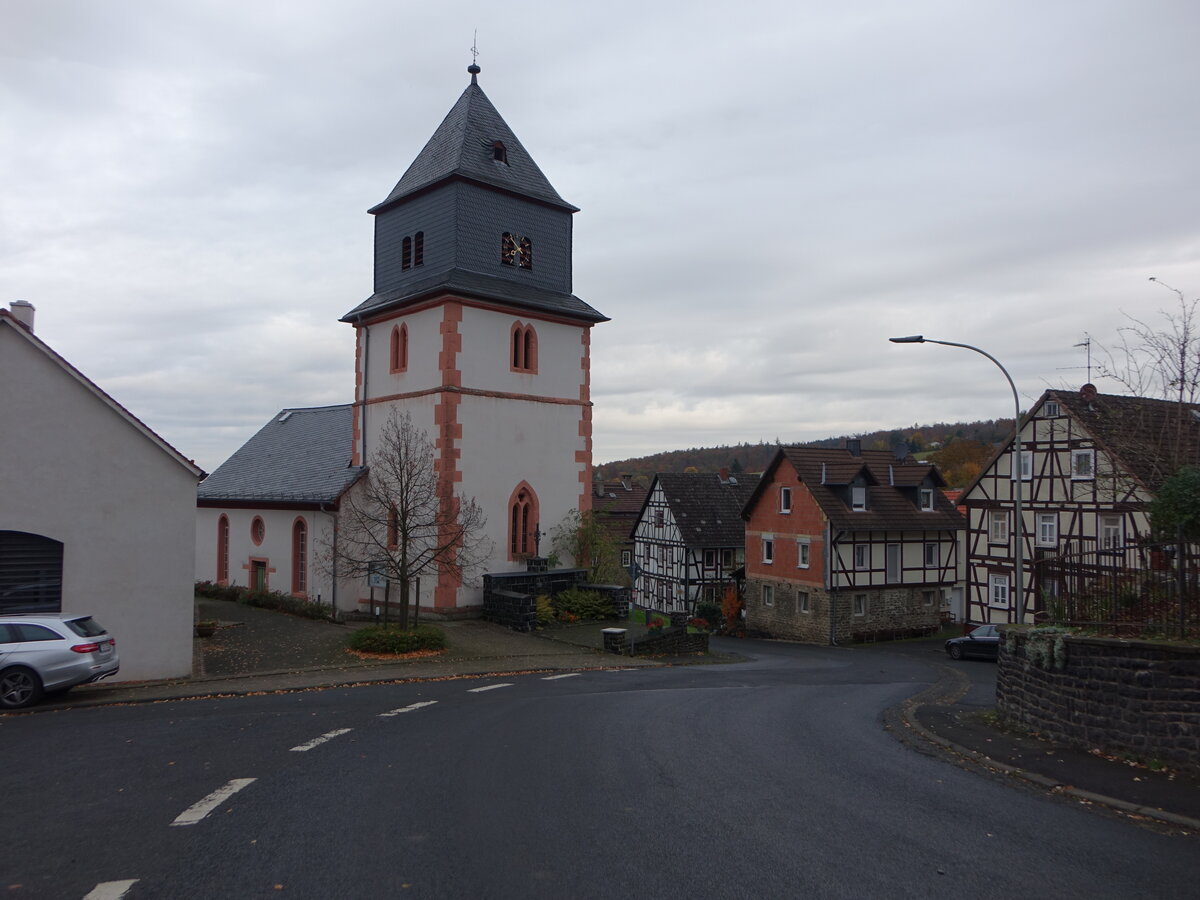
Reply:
x=960 y=461
x=400 y=521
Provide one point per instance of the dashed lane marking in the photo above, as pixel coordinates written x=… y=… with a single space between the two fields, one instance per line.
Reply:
x=318 y=741
x=488 y=687
x=564 y=675
x=110 y=890
x=198 y=811
x=409 y=708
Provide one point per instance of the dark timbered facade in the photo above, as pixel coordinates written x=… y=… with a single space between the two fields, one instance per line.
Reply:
x=1090 y=464
x=689 y=538
x=844 y=543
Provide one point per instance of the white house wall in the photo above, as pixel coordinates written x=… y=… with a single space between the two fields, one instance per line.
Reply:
x=124 y=508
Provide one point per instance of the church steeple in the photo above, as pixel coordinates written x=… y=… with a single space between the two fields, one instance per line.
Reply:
x=475 y=143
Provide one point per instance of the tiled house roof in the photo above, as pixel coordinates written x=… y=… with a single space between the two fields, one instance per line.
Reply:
x=892 y=485
x=300 y=456
x=1150 y=438
x=707 y=511
x=617 y=504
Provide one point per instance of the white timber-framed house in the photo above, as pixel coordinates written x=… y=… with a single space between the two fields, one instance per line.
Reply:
x=1090 y=464
x=689 y=539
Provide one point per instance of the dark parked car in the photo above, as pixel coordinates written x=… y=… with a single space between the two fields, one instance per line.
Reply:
x=983 y=642
x=51 y=654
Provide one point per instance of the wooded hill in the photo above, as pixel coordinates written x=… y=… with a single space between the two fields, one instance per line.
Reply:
x=978 y=438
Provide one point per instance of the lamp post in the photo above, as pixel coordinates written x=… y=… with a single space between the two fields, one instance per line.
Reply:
x=1017 y=463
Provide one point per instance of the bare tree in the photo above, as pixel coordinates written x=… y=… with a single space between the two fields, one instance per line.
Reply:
x=1158 y=362
x=403 y=521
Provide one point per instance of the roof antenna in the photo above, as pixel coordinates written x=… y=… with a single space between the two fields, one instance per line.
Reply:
x=1087 y=342
x=473 y=68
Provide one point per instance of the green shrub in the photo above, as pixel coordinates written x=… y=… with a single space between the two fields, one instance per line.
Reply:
x=545 y=611
x=578 y=603
x=393 y=639
x=709 y=611
x=296 y=606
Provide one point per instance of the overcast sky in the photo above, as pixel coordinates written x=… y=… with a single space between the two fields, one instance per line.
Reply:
x=768 y=191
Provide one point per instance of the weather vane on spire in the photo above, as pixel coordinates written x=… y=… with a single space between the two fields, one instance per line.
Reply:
x=473 y=68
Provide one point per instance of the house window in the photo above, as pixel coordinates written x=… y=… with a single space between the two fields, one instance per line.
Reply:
x=768 y=595
x=1026 y=465
x=862 y=556
x=499 y=152
x=860 y=604
x=258 y=530
x=522 y=522
x=768 y=549
x=223 y=550
x=399 y=349
x=785 y=499
x=1050 y=410
x=300 y=557
x=803 y=553
x=932 y=557
x=626 y=558
x=727 y=560
x=710 y=559
x=1110 y=531
x=928 y=597
x=1047 y=529
x=998 y=591
x=858 y=497
x=926 y=499
x=1083 y=465
x=892 y=563
x=802 y=603
x=524 y=348
x=998 y=526
x=658 y=518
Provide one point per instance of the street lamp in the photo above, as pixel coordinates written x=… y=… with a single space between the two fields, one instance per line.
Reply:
x=1020 y=536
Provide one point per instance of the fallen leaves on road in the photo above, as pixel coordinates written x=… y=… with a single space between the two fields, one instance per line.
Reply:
x=414 y=654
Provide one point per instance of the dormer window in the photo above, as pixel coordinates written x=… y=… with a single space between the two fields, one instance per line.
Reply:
x=412 y=250
x=858 y=497
x=499 y=152
x=926 y=495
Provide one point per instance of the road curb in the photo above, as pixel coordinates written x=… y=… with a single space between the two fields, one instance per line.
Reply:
x=942 y=693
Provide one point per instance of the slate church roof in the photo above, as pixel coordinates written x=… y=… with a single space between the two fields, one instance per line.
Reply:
x=458 y=148
x=300 y=456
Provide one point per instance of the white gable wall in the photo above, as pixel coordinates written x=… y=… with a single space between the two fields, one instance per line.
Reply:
x=76 y=471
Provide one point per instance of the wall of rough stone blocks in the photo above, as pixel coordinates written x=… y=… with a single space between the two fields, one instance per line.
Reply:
x=1122 y=696
x=890 y=612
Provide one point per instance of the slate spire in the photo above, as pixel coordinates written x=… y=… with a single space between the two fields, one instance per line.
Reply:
x=474 y=142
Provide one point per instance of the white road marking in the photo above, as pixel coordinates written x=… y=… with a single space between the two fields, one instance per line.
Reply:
x=487 y=687
x=198 y=811
x=110 y=890
x=409 y=708
x=556 y=677
x=318 y=741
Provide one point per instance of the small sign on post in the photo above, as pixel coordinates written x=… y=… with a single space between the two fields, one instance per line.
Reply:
x=375 y=575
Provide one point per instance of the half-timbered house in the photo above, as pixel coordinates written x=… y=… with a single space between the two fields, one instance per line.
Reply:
x=689 y=538
x=844 y=543
x=1089 y=465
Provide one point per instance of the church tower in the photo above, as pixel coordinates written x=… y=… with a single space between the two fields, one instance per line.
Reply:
x=472 y=328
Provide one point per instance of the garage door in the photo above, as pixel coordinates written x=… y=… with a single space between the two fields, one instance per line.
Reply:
x=30 y=573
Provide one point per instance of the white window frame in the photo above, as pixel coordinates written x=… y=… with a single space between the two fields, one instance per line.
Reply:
x=1026 y=466
x=860 y=605
x=927 y=500
x=768 y=549
x=1076 y=457
x=1050 y=410
x=1047 y=529
x=626 y=558
x=862 y=557
x=858 y=497
x=933 y=555
x=803 y=553
x=1110 y=530
x=928 y=597
x=999 y=592
x=802 y=602
x=768 y=595
x=997 y=526
x=785 y=500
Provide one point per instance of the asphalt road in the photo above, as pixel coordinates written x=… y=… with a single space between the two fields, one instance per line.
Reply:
x=770 y=778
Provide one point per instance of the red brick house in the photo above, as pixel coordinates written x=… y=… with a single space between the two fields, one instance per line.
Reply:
x=843 y=543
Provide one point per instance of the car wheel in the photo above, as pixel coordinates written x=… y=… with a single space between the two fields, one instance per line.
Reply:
x=955 y=651
x=19 y=687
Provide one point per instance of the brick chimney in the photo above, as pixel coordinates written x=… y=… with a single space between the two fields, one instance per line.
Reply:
x=22 y=311
x=854 y=445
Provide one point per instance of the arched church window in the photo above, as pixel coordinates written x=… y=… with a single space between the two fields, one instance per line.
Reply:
x=223 y=550
x=398 y=356
x=300 y=557
x=524 y=348
x=419 y=249
x=406 y=253
x=522 y=522
x=393 y=528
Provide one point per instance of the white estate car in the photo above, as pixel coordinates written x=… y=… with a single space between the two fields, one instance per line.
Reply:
x=51 y=653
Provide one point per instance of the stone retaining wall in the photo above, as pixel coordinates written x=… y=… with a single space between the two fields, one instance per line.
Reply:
x=1121 y=696
x=669 y=641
